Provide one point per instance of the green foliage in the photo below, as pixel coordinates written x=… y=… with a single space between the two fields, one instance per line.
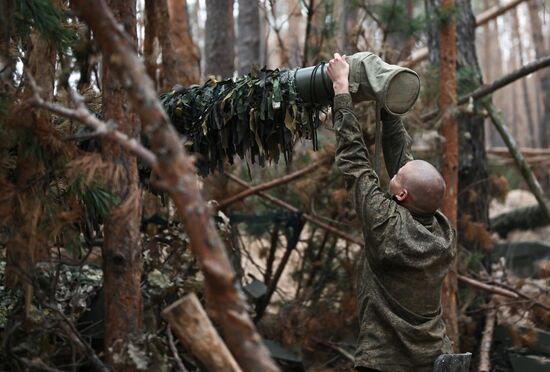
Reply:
x=394 y=18
x=468 y=79
x=94 y=198
x=46 y=18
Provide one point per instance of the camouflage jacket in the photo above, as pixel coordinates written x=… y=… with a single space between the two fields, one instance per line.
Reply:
x=405 y=256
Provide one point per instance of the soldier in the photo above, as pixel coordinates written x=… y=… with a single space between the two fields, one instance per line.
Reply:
x=409 y=243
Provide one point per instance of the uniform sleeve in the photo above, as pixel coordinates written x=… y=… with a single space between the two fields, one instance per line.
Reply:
x=396 y=142
x=375 y=208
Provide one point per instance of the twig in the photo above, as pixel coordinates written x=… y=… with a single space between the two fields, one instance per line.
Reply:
x=271 y=184
x=174 y=350
x=500 y=289
x=75 y=336
x=486 y=341
x=307 y=217
x=487 y=287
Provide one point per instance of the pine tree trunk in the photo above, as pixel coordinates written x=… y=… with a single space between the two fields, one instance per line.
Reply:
x=544 y=76
x=516 y=35
x=182 y=58
x=219 y=42
x=473 y=185
x=151 y=42
x=449 y=131
x=122 y=261
x=295 y=33
x=248 y=41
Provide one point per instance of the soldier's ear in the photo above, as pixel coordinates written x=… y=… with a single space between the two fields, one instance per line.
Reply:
x=402 y=195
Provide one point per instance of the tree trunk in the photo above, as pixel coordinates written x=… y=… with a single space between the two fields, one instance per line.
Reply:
x=122 y=262
x=294 y=33
x=151 y=42
x=442 y=48
x=473 y=175
x=544 y=76
x=516 y=35
x=473 y=188
x=182 y=58
x=248 y=41
x=219 y=42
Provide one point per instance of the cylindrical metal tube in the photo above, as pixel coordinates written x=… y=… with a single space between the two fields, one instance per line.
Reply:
x=396 y=88
x=313 y=84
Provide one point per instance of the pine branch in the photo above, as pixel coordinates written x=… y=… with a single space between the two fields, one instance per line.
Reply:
x=83 y=115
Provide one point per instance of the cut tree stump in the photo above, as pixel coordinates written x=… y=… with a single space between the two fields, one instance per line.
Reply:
x=193 y=327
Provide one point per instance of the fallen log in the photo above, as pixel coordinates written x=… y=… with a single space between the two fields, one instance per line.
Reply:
x=191 y=324
x=524 y=218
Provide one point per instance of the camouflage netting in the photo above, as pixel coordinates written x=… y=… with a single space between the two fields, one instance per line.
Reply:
x=258 y=117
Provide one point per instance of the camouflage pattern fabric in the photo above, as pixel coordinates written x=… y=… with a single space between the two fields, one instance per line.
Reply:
x=405 y=256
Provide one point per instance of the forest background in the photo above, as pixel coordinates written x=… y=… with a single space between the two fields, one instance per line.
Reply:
x=103 y=220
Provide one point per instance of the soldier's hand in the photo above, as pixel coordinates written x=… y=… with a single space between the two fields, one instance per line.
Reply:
x=338 y=71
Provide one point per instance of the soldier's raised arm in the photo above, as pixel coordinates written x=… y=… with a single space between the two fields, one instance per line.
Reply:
x=396 y=142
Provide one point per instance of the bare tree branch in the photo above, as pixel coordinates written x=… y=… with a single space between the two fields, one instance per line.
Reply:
x=271 y=184
x=496 y=85
x=307 y=217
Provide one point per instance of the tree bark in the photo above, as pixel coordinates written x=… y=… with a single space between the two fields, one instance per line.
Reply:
x=182 y=58
x=248 y=41
x=189 y=320
x=151 y=42
x=473 y=186
x=122 y=261
x=177 y=175
x=295 y=33
x=449 y=132
x=544 y=76
x=530 y=127
x=219 y=41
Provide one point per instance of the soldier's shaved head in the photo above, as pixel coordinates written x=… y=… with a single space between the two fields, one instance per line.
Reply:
x=418 y=186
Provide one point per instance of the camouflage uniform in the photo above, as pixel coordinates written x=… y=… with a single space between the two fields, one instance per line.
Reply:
x=404 y=260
